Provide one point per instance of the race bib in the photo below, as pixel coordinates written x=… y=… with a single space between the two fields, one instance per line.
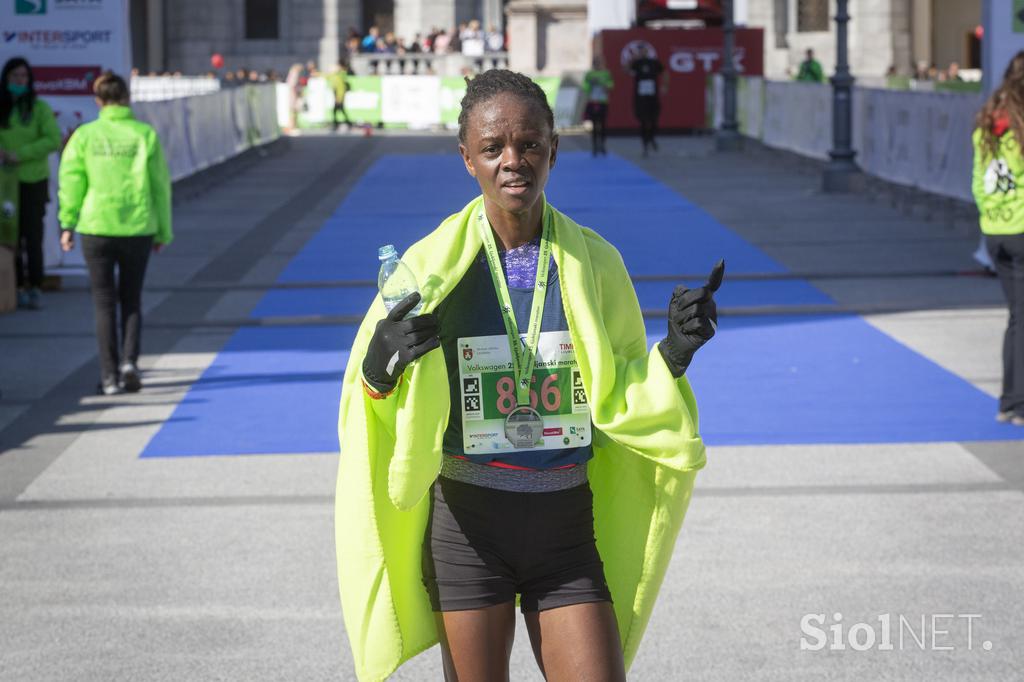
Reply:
x=646 y=88
x=488 y=394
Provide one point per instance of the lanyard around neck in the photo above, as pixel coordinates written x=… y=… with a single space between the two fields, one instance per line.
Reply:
x=524 y=354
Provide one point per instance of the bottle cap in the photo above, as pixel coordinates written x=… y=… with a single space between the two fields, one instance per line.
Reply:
x=387 y=251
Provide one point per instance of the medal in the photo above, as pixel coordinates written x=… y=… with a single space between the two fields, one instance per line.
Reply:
x=524 y=426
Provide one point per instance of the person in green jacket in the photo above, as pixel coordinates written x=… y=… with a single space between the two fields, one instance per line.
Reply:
x=28 y=135
x=597 y=84
x=115 y=191
x=996 y=185
x=480 y=465
x=810 y=70
x=338 y=80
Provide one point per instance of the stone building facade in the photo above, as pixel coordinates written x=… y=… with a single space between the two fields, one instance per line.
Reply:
x=181 y=35
x=545 y=36
x=883 y=33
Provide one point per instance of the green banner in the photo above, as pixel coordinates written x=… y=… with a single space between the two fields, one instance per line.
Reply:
x=453 y=89
x=362 y=101
x=550 y=85
x=1018 y=16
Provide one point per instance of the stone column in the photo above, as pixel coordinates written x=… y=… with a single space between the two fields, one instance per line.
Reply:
x=523 y=23
x=418 y=16
x=330 y=42
x=493 y=15
x=156 y=56
x=548 y=37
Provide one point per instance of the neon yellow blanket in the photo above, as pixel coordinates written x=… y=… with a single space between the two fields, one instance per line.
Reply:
x=646 y=449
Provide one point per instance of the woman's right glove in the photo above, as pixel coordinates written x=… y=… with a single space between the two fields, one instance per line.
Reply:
x=397 y=342
x=692 y=321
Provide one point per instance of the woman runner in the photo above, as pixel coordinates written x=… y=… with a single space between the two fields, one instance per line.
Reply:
x=544 y=455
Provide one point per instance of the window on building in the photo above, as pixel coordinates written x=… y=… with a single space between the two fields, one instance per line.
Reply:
x=262 y=19
x=812 y=15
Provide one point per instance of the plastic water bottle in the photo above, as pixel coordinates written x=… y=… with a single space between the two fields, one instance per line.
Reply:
x=395 y=280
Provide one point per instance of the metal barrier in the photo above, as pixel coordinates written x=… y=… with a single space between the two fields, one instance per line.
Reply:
x=156 y=88
x=918 y=139
x=425 y=63
x=202 y=131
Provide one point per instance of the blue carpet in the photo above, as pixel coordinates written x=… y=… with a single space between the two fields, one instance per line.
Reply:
x=269 y=390
x=764 y=380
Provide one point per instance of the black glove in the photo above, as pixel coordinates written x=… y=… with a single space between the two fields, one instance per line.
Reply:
x=396 y=342
x=692 y=321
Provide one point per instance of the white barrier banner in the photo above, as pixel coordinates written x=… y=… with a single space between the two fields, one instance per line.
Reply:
x=263 y=114
x=202 y=131
x=413 y=100
x=68 y=43
x=918 y=139
x=211 y=128
x=798 y=118
x=170 y=120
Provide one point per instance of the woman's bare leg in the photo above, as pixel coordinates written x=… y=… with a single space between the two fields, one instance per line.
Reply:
x=578 y=643
x=476 y=644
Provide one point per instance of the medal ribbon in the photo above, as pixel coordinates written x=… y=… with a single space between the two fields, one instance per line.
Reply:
x=524 y=355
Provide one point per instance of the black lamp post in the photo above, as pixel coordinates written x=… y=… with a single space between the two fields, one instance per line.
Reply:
x=728 y=138
x=841 y=171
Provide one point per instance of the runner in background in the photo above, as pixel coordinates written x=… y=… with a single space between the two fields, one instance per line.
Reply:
x=998 y=174
x=647 y=95
x=115 y=190
x=338 y=80
x=294 y=82
x=597 y=83
x=28 y=135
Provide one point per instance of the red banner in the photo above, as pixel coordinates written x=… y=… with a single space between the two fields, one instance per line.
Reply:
x=65 y=80
x=689 y=57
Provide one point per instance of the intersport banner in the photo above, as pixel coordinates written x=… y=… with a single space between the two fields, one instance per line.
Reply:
x=689 y=57
x=68 y=43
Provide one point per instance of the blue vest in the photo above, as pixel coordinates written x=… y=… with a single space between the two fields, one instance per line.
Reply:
x=472 y=310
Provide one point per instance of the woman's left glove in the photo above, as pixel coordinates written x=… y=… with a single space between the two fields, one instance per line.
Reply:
x=692 y=321
x=396 y=342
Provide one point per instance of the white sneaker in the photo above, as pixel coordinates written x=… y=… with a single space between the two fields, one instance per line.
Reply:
x=131 y=380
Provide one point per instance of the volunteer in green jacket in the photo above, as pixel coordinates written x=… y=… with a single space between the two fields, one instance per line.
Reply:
x=338 y=80
x=28 y=135
x=115 y=191
x=810 y=70
x=598 y=84
x=498 y=438
x=998 y=174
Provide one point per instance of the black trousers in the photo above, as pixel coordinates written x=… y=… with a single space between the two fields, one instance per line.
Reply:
x=32 y=198
x=339 y=105
x=647 y=110
x=597 y=112
x=1007 y=253
x=117 y=268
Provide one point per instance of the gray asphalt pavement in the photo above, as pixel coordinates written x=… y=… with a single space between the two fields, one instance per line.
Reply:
x=114 y=567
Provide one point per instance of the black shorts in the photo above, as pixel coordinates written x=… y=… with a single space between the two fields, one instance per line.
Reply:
x=484 y=546
x=647 y=108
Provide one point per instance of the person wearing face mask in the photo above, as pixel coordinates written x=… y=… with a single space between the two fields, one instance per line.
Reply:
x=28 y=135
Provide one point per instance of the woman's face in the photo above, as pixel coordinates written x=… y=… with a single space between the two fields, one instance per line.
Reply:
x=509 y=149
x=18 y=76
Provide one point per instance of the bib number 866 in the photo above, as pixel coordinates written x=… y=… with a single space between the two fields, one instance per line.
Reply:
x=550 y=396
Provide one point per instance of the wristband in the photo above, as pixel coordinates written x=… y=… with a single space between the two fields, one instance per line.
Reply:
x=374 y=394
